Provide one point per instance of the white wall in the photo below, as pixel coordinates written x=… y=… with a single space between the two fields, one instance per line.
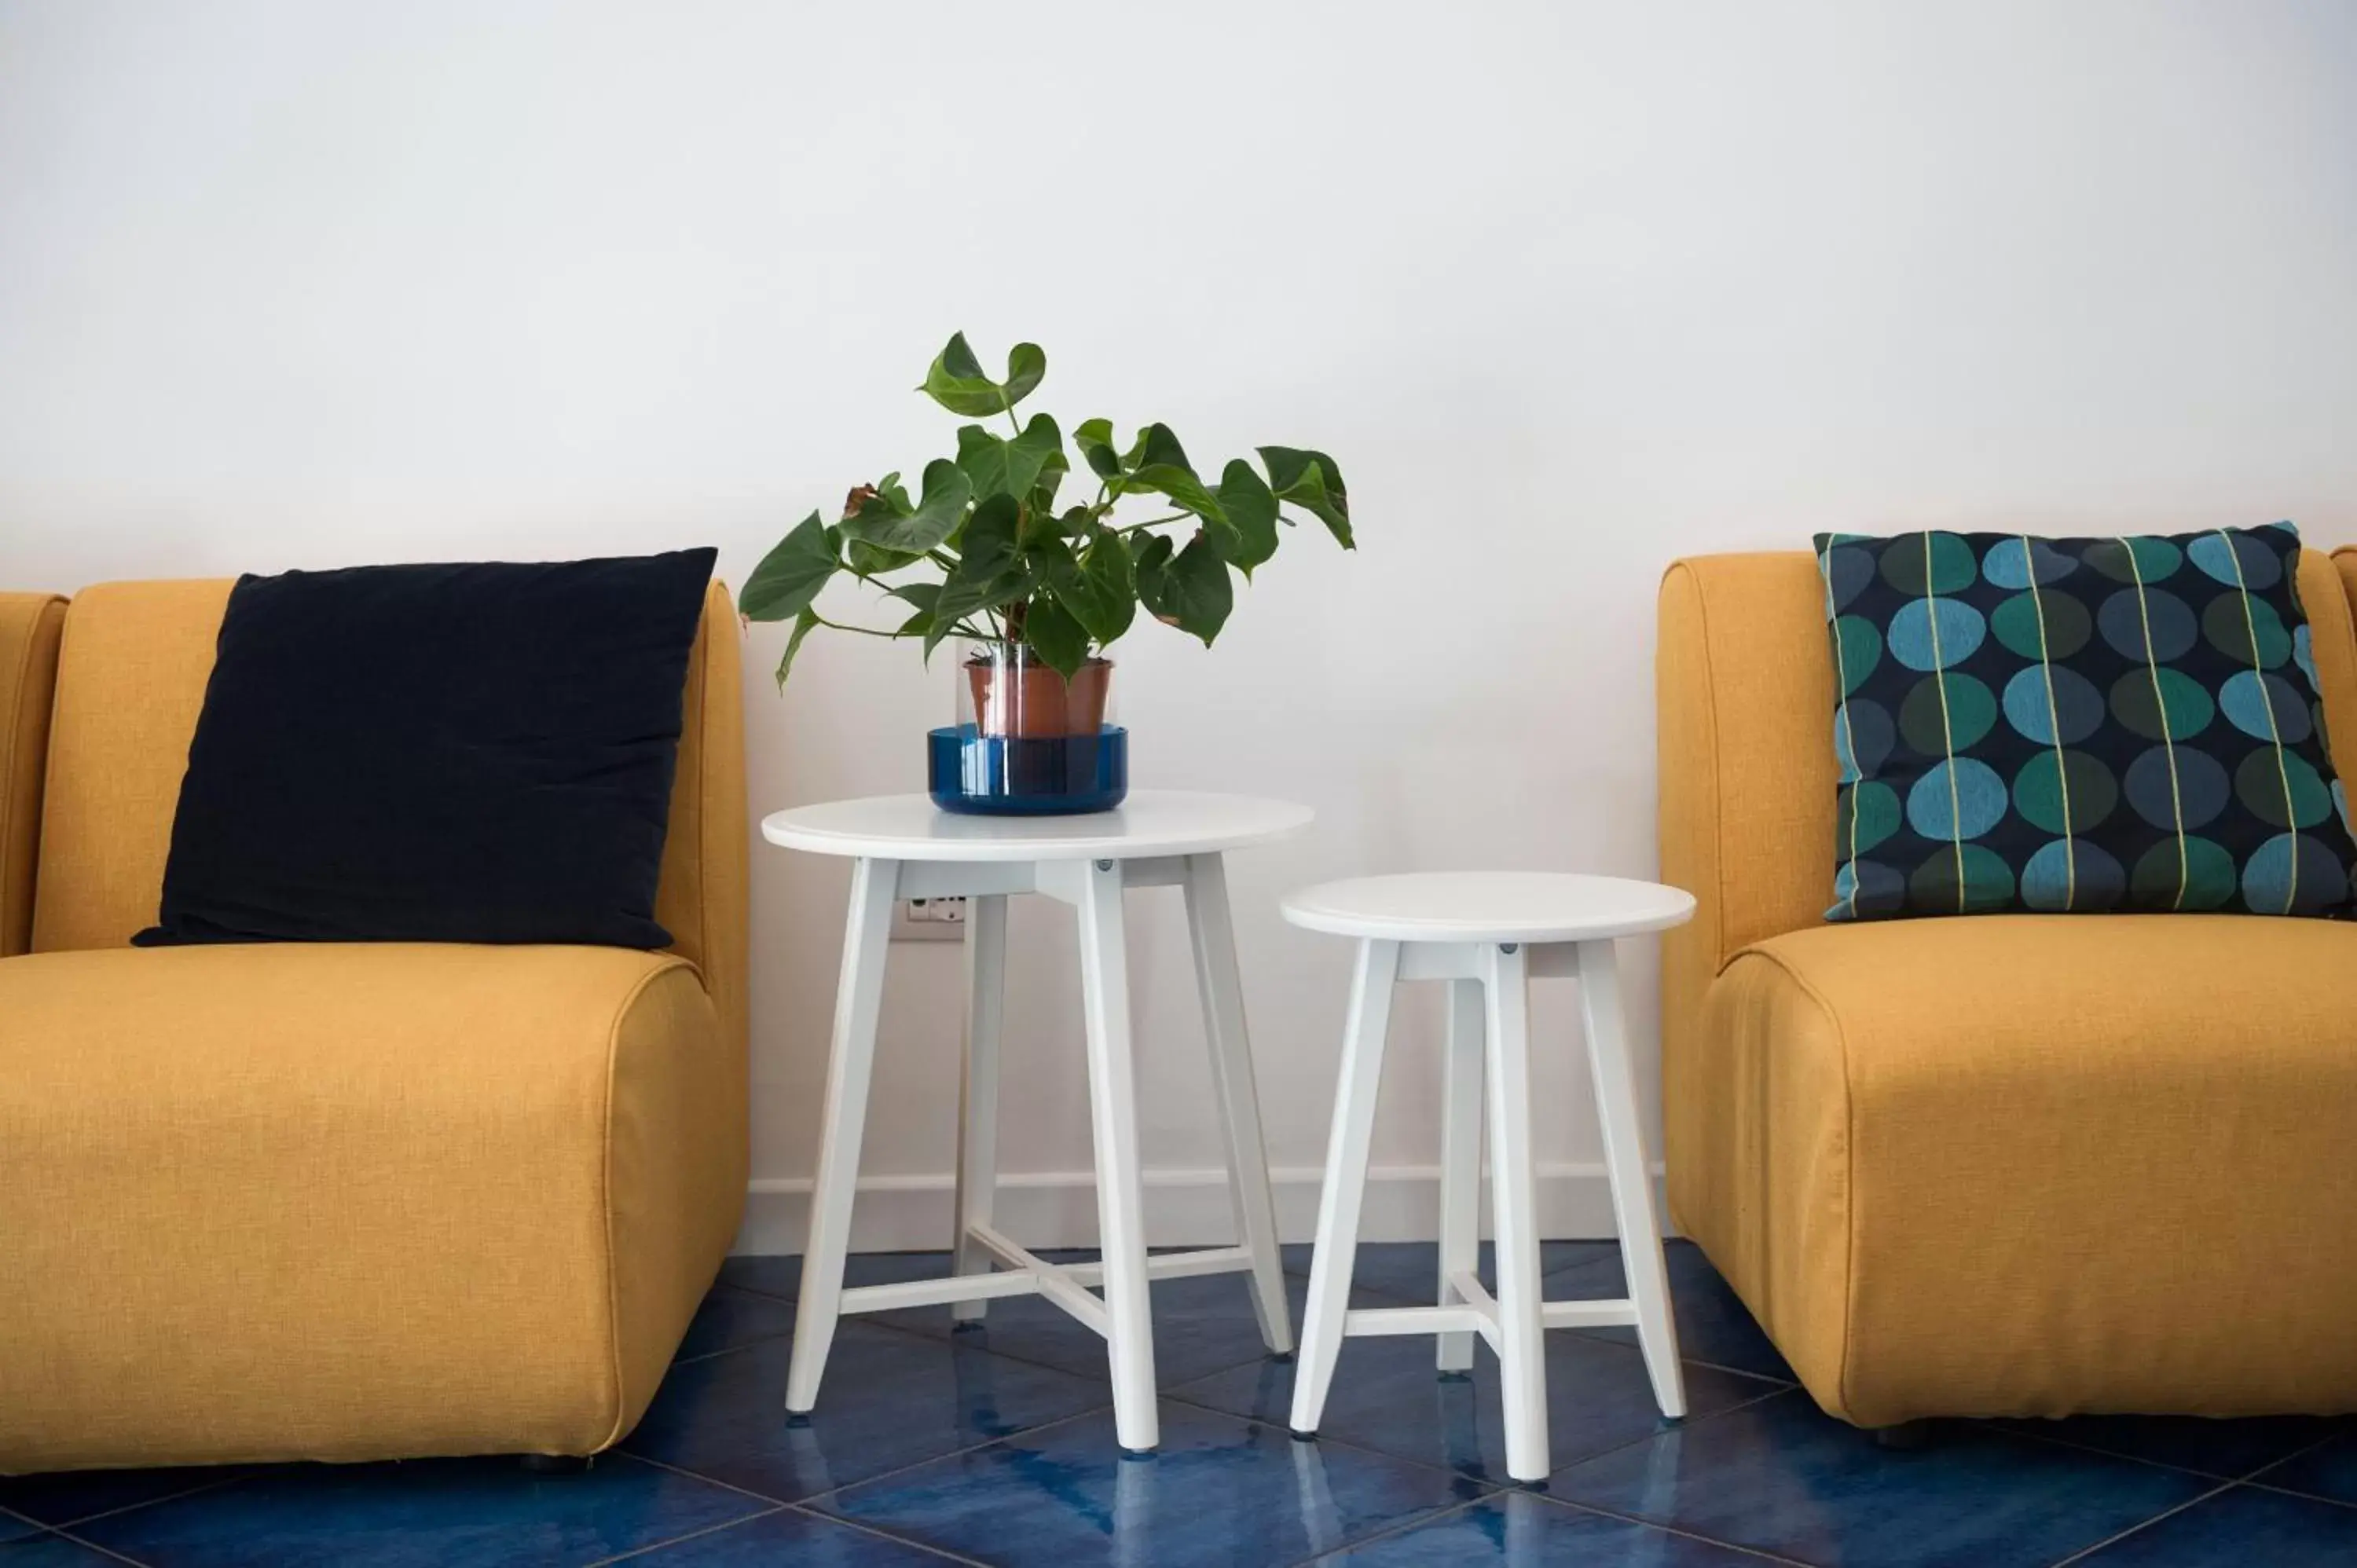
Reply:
x=1568 y=289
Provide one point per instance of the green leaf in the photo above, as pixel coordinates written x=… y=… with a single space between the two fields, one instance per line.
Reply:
x=1196 y=592
x=922 y=594
x=1163 y=467
x=1051 y=480
x=1103 y=593
x=955 y=382
x=1026 y=364
x=1157 y=444
x=790 y=575
x=947 y=492
x=1312 y=481
x=988 y=573
x=1150 y=555
x=1011 y=467
x=1183 y=488
x=1094 y=437
x=803 y=623
x=867 y=560
x=1250 y=507
x=1061 y=641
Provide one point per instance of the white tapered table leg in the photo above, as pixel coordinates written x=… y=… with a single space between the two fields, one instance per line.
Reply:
x=851 y=1059
x=977 y=1166
x=1460 y=1161
x=1631 y=1172
x=1514 y=1198
x=1212 y=929
x=1346 y=1180
x=1113 y=1112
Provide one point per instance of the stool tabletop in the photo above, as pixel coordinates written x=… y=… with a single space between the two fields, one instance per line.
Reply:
x=1149 y=822
x=1489 y=907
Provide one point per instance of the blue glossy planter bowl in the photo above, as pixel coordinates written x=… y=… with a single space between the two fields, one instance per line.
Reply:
x=999 y=776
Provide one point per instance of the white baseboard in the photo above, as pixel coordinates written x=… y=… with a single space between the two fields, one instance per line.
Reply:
x=1183 y=1207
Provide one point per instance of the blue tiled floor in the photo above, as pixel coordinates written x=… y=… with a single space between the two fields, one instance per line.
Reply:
x=994 y=1445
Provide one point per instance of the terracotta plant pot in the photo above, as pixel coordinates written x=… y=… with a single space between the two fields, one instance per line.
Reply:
x=1025 y=700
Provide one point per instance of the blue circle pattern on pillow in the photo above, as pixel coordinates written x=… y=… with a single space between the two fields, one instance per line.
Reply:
x=2077 y=726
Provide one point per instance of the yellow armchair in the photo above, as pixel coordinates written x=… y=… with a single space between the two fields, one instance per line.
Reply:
x=335 y=1201
x=1991 y=1166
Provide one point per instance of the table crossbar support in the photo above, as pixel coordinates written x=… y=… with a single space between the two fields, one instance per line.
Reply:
x=1053 y=1281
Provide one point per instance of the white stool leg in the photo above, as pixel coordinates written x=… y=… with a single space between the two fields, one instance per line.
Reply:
x=1113 y=1112
x=1213 y=931
x=1631 y=1172
x=977 y=1166
x=1513 y=1196
x=858 y=996
x=1346 y=1180
x=1460 y=1161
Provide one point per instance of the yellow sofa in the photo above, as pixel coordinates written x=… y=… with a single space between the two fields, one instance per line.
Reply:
x=1995 y=1166
x=334 y=1201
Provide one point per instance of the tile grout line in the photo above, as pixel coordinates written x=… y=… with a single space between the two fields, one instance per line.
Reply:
x=105 y=1551
x=2330 y=1437
x=2084 y=1553
x=76 y=1522
x=2293 y=1492
x=1990 y=1426
x=864 y=1527
x=816 y=1497
x=1760 y=1551
x=1398 y=1527
x=668 y=1542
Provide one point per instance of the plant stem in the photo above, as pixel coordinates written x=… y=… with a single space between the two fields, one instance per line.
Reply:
x=839 y=626
x=1153 y=522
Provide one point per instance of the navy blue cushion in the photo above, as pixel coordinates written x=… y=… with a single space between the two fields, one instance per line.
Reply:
x=2079 y=725
x=477 y=753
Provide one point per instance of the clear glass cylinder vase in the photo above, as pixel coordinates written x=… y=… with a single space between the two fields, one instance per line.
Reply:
x=1028 y=740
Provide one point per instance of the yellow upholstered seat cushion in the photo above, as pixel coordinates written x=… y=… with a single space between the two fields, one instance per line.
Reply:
x=340 y=1201
x=2031 y=1165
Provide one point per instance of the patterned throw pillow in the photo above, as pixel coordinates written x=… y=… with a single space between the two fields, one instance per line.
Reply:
x=2077 y=726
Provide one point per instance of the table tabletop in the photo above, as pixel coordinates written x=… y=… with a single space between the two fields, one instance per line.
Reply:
x=1489 y=907
x=1149 y=822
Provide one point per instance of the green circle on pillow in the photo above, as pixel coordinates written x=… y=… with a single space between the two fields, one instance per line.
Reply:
x=2066 y=794
x=2246 y=630
x=2162 y=704
x=1920 y=564
x=1944 y=714
x=2041 y=626
x=1857 y=649
x=2205 y=870
x=1864 y=816
x=2144 y=559
x=2268 y=775
x=1986 y=882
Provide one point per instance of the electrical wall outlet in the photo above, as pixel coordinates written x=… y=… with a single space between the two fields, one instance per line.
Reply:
x=928 y=920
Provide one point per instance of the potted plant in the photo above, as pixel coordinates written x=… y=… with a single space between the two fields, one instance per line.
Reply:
x=1035 y=593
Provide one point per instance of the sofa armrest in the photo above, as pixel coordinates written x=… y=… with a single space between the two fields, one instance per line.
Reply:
x=30 y=626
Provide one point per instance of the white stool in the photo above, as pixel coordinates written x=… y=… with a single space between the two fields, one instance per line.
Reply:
x=905 y=847
x=1488 y=934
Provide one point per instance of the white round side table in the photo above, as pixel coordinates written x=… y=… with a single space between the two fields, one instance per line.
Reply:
x=1488 y=934
x=905 y=847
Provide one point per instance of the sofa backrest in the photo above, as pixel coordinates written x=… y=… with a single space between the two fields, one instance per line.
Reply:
x=1744 y=692
x=131 y=681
